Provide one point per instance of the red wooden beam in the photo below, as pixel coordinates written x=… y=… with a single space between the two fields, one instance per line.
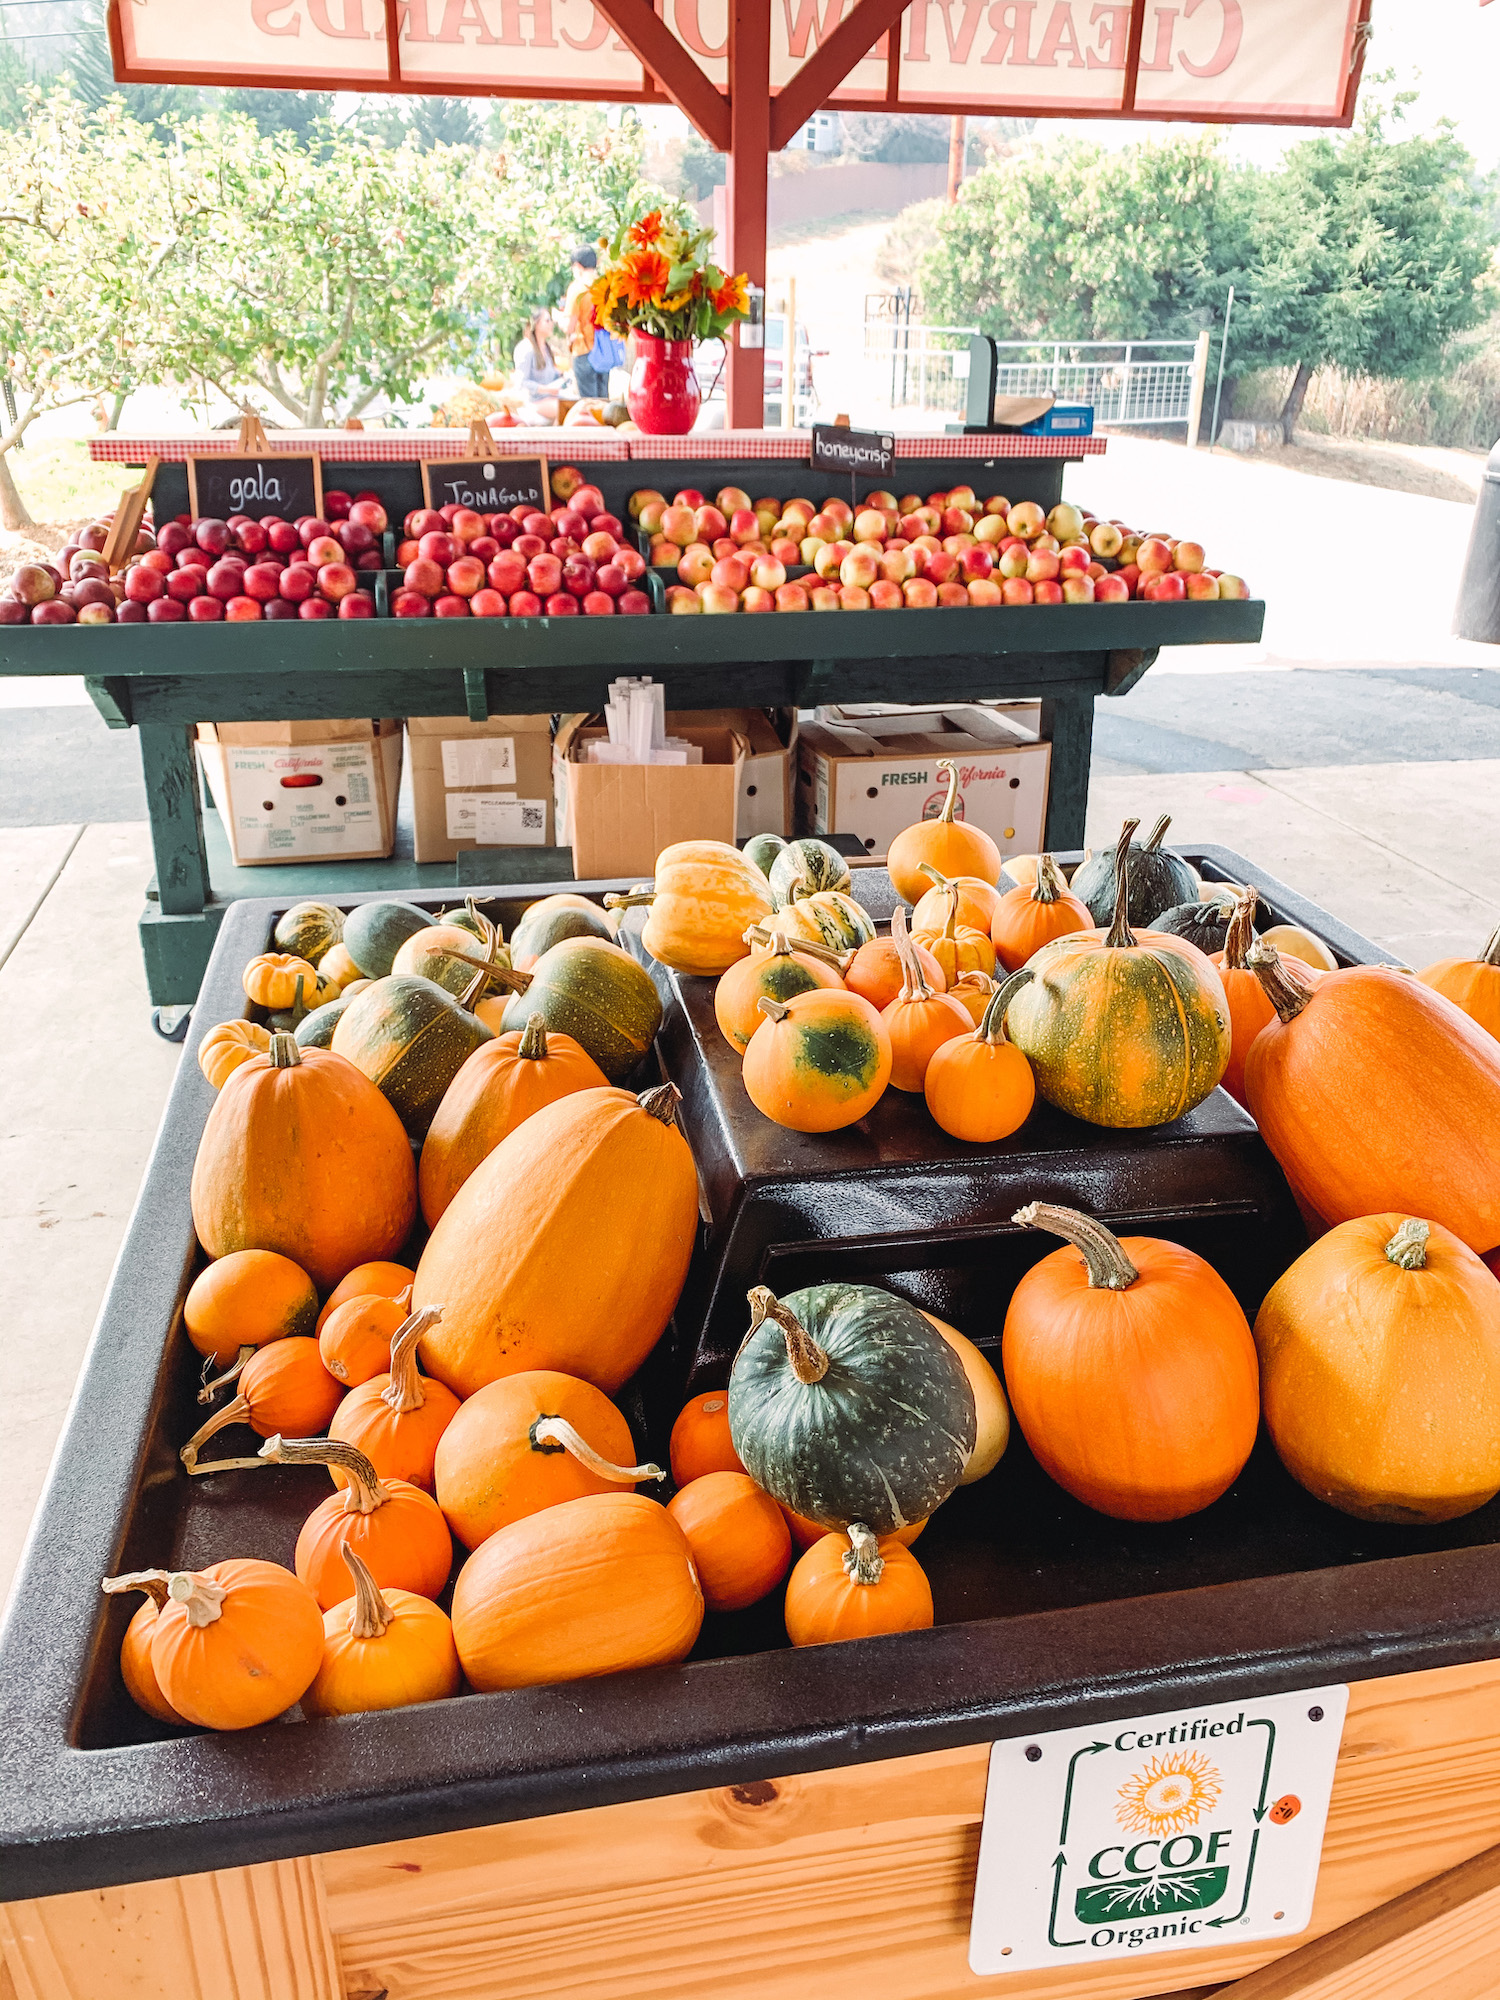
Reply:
x=745 y=198
x=648 y=37
x=824 y=70
x=1133 y=55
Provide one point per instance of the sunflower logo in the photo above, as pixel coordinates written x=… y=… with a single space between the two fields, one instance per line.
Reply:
x=1168 y=1794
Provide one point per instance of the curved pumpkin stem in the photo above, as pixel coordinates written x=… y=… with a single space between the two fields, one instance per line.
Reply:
x=372 y=1615
x=1491 y=953
x=934 y=875
x=1408 y=1247
x=496 y=974
x=809 y=947
x=533 y=1044
x=1119 y=933
x=863 y=1561
x=200 y=1595
x=366 y=1490
x=1109 y=1269
x=1264 y=960
x=661 y=1102
x=235 y=1412
x=1049 y=883
x=809 y=1362
x=774 y=1010
x=992 y=1028
x=638 y=899
x=913 y=979
x=153 y=1582
x=284 y=1052
x=549 y=1434
x=1158 y=833
x=799 y=889
x=404 y=1391
x=1241 y=933
x=211 y=1389
x=945 y=817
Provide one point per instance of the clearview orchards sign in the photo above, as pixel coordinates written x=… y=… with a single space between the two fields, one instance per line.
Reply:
x=1173 y=1832
x=1208 y=59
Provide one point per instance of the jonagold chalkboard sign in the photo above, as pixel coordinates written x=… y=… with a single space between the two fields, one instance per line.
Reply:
x=489 y=485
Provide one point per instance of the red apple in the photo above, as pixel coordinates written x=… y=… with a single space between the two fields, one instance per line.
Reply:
x=1153 y=556
x=1165 y=587
x=280 y=536
x=253 y=537
x=241 y=611
x=561 y=604
x=544 y=574
x=1077 y=589
x=682 y=602
x=1074 y=560
x=467 y=525
x=186 y=584
x=225 y=580
x=487 y=604
x=407 y=603
x=1130 y=574
x=1233 y=586
x=165 y=611
x=312 y=529
x=525 y=604
x=425 y=575
x=277 y=608
x=1201 y=585
x=1016 y=590
x=688 y=497
x=131 y=613
x=95 y=613
x=919 y=593
x=1042 y=566
x=262 y=582
x=504 y=529
x=597 y=604
x=357 y=604
x=466 y=576
x=612 y=580
x=315 y=607
x=886 y=596
x=985 y=590
x=507 y=572
x=174 y=537
x=14 y=612
x=823 y=597
x=53 y=611
x=205 y=610
x=336 y=505
x=976 y=563
x=142 y=585
x=1111 y=590
x=324 y=549
x=578 y=576
x=211 y=536
x=450 y=605
x=336 y=580
x=353 y=538
x=583 y=499
x=1047 y=592
x=634 y=604
x=297 y=582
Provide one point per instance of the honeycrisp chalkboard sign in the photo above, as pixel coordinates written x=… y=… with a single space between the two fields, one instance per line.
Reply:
x=836 y=448
x=255 y=479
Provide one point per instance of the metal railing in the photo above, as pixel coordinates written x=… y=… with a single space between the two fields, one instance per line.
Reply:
x=920 y=372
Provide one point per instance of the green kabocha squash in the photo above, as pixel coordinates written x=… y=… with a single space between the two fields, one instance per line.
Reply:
x=598 y=994
x=315 y=1030
x=1159 y=880
x=1205 y=923
x=804 y=868
x=375 y=932
x=847 y=1405
x=537 y=932
x=308 y=930
x=827 y=917
x=1122 y=1031
x=761 y=849
x=411 y=1039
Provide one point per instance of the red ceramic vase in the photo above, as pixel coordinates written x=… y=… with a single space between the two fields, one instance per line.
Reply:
x=663 y=394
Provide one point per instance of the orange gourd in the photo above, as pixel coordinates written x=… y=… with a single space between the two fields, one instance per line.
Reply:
x=395 y=1527
x=283 y=1387
x=739 y=1538
x=974 y=992
x=382 y=1649
x=700 y=1439
x=1131 y=1370
x=397 y=1418
x=957 y=949
x=224 y=1048
x=499 y=1087
x=822 y=1061
x=566 y=1248
x=1472 y=984
x=245 y=1300
x=977 y=902
x=1380 y=1367
x=597 y=1585
x=805 y=1531
x=918 y=1021
x=853 y=1587
x=302 y=1154
x=236 y=1643
x=1027 y=918
x=270 y=979
x=388 y=1280
x=527 y=1442
x=1375 y=1093
x=874 y=972
x=704 y=896
x=136 y=1669
x=356 y=1339
x=777 y=973
x=1249 y=1004
x=944 y=843
x=979 y=1086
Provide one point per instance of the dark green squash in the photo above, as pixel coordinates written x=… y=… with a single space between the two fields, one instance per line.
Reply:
x=411 y=1039
x=308 y=930
x=598 y=994
x=761 y=850
x=846 y=1404
x=534 y=935
x=375 y=932
x=315 y=1030
x=1205 y=924
x=287 y=1020
x=475 y=922
x=1159 y=879
x=803 y=869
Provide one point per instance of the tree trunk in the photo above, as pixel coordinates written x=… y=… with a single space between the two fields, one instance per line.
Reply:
x=13 y=512
x=116 y=411
x=1291 y=409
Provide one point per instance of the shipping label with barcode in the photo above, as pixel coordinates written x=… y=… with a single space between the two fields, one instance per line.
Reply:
x=503 y=820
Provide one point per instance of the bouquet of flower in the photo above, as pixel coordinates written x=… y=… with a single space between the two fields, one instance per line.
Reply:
x=658 y=279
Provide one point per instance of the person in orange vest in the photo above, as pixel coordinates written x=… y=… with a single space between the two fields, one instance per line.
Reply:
x=595 y=351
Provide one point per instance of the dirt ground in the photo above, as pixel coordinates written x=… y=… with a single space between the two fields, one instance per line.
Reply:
x=1434 y=471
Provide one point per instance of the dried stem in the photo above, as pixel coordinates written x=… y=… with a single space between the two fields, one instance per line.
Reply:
x=557 y=1434
x=1049 y=884
x=809 y=1362
x=365 y=1491
x=372 y=1616
x=1109 y=1269
x=992 y=1027
x=152 y=1581
x=1408 y=1247
x=809 y=947
x=862 y=1559
x=404 y=1392
x=1264 y=960
x=211 y=1389
x=1119 y=933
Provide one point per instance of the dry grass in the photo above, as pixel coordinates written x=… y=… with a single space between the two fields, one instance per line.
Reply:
x=59 y=482
x=1458 y=407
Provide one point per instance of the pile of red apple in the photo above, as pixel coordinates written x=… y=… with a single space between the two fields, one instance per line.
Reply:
x=735 y=554
x=458 y=563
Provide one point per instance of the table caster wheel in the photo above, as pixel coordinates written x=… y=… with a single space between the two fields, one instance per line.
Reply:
x=171 y=1023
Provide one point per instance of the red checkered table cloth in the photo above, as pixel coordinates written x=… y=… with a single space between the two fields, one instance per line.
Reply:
x=562 y=447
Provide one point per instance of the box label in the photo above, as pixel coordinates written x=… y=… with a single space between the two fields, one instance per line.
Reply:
x=309 y=799
x=1185 y=1830
x=1002 y=790
x=479 y=760
x=503 y=820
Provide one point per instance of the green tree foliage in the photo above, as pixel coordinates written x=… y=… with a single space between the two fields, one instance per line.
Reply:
x=302 y=113
x=14 y=79
x=426 y=121
x=894 y=136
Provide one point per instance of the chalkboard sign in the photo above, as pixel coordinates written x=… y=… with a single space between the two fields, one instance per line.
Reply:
x=836 y=448
x=265 y=482
x=488 y=485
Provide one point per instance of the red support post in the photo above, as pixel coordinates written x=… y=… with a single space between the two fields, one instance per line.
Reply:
x=749 y=158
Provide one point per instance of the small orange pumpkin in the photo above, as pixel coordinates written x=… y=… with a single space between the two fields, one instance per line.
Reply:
x=283 y=1387
x=874 y=972
x=957 y=949
x=977 y=902
x=242 y=1301
x=236 y=1643
x=822 y=1061
x=270 y=979
x=740 y=1541
x=1472 y=984
x=776 y=973
x=974 y=991
x=396 y=1419
x=853 y=1587
x=396 y=1527
x=224 y=1048
x=700 y=1439
x=389 y=1280
x=1028 y=918
x=136 y=1669
x=356 y=1339
x=918 y=1021
x=979 y=1087
x=382 y=1649
x=945 y=843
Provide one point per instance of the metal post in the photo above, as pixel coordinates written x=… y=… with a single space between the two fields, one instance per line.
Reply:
x=1213 y=436
x=1200 y=383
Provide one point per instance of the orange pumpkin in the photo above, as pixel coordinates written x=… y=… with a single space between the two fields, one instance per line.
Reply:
x=224 y=1048
x=740 y=1542
x=874 y=972
x=974 y=992
x=236 y=1643
x=776 y=973
x=597 y=1585
x=822 y=1061
x=397 y=1419
x=1472 y=984
x=356 y=1339
x=918 y=1021
x=246 y=1299
x=1376 y=1093
x=499 y=1087
x=527 y=1442
x=957 y=949
x=1131 y=1370
x=853 y=1587
x=395 y=1527
x=382 y=1649
x=700 y=1439
x=388 y=1280
x=270 y=979
x=1380 y=1365
x=1028 y=918
x=977 y=902
x=1249 y=1004
x=806 y=1532
x=979 y=1086
x=944 y=843
x=283 y=1387
x=136 y=1669
x=566 y=1248
x=302 y=1154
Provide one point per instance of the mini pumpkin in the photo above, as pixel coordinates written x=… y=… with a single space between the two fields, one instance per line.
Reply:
x=1156 y=878
x=852 y=1586
x=282 y=1387
x=245 y=1300
x=979 y=1087
x=1029 y=917
x=822 y=1061
x=270 y=979
x=1472 y=984
x=236 y=1643
x=875 y=974
x=700 y=1438
x=382 y=1649
x=397 y=1418
x=977 y=902
x=337 y=965
x=945 y=843
x=389 y=1280
x=776 y=974
x=829 y=917
x=355 y=1339
x=704 y=897
x=739 y=1538
x=957 y=949
x=225 y=1047
x=805 y=867
x=919 y=1020
x=136 y=1669
x=1294 y=942
x=394 y=1526
x=309 y=930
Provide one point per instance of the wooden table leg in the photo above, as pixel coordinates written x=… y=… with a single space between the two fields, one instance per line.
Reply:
x=1068 y=720
x=170 y=771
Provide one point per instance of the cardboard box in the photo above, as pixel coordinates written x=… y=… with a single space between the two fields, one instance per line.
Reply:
x=618 y=817
x=300 y=791
x=874 y=773
x=480 y=784
x=767 y=782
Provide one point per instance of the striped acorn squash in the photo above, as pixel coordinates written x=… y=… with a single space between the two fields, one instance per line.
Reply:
x=476 y=923
x=1120 y=1032
x=315 y=1030
x=411 y=1039
x=805 y=867
x=308 y=930
x=375 y=932
x=596 y=993
x=828 y=917
x=430 y=954
x=704 y=898
x=761 y=849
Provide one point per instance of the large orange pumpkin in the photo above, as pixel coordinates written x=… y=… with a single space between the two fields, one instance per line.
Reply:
x=1131 y=1370
x=853 y=1587
x=567 y=1247
x=944 y=843
x=1472 y=984
x=397 y=1419
x=282 y=1387
x=740 y=1541
x=245 y=1300
x=1376 y=1093
x=302 y=1154
x=235 y=1643
x=1028 y=918
x=594 y=1586
x=1380 y=1367
x=394 y=1526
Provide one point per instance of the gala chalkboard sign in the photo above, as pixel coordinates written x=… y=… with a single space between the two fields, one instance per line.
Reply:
x=255 y=479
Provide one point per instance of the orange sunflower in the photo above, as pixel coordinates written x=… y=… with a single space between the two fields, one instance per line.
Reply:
x=647 y=231
x=731 y=297
x=641 y=277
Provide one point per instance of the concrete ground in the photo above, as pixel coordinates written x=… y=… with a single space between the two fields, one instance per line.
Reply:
x=1356 y=754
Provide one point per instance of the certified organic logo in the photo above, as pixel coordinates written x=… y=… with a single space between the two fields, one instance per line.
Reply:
x=1164 y=1800
x=1168 y=1794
